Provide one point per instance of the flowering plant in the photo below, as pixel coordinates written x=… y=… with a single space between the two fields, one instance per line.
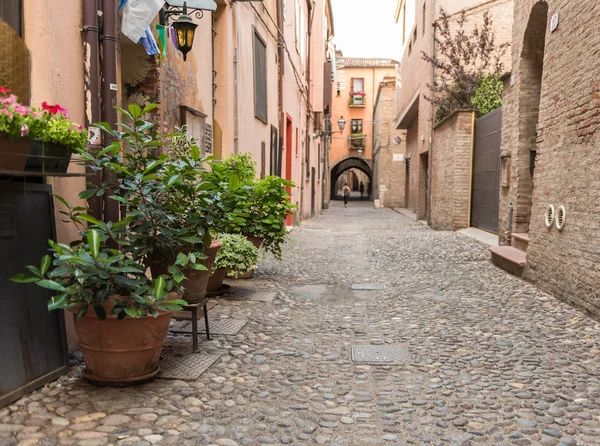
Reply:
x=358 y=93
x=49 y=124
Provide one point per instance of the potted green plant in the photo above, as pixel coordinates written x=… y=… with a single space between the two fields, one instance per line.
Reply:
x=121 y=316
x=237 y=257
x=37 y=140
x=261 y=205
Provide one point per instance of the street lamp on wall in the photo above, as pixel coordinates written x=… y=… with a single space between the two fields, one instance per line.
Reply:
x=184 y=27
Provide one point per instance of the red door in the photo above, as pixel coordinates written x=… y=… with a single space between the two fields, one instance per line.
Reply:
x=288 y=159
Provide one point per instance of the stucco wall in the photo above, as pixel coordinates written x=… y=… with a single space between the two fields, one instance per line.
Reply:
x=57 y=77
x=451 y=172
x=568 y=156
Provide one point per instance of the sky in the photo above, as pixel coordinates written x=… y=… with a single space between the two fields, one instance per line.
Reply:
x=366 y=28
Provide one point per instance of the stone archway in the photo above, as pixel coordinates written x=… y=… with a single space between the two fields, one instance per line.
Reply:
x=347 y=163
x=530 y=73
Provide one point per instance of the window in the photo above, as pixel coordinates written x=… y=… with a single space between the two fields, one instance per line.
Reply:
x=260 y=78
x=11 y=11
x=424 y=17
x=404 y=23
x=415 y=35
x=357 y=126
x=358 y=84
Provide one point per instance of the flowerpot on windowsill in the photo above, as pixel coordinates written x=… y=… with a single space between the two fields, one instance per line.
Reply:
x=33 y=155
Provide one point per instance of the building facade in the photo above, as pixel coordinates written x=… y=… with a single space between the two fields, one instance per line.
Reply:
x=416 y=20
x=356 y=85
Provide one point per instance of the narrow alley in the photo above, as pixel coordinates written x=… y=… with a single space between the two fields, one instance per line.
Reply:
x=471 y=355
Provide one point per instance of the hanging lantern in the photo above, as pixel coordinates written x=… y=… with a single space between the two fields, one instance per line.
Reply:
x=185 y=29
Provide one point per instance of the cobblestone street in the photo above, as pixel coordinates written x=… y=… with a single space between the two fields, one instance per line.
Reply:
x=485 y=358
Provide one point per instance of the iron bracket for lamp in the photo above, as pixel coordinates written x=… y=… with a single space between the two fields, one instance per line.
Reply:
x=174 y=12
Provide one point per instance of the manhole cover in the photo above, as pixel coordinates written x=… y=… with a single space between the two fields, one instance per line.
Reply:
x=368 y=286
x=380 y=353
x=255 y=295
x=226 y=326
x=188 y=367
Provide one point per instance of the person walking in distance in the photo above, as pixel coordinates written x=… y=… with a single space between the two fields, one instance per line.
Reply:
x=361 y=188
x=346 y=193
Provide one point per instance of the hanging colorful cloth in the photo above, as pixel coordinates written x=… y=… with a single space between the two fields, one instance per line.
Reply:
x=162 y=40
x=173 y=37
x=149 y=42
x=138 y=16
x=121 y=4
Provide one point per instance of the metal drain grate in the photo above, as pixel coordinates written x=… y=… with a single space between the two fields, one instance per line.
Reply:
x=380 y=353
x=188 y=367
x=225 y=326
x=368 y=286
x=256 y=295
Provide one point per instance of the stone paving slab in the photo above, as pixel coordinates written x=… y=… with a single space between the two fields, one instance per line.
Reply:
x=493 y=360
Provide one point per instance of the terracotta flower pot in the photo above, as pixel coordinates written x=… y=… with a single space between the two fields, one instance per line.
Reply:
x=215 y=281
x=14 y=153
x=195 y=281
x=123 y=351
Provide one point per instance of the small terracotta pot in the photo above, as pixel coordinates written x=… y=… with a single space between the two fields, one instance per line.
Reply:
x=118 y=352
x=195 y=281
x=215 y=281
x=14 y=153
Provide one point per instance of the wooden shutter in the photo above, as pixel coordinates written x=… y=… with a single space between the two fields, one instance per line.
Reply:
x=260 y=78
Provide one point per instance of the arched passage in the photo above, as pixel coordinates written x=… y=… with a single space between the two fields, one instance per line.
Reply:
x=346 y=164
x=531 y=73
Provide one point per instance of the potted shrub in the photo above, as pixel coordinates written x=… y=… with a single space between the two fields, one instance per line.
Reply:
x=120 y=315
x=175 y=210
x=261 y=205
x=237 y=257
x=37 y=140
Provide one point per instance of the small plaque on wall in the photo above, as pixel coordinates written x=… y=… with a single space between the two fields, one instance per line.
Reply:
x=398 y=157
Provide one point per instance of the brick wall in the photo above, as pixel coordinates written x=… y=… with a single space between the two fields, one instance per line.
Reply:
x=568 y=145
x=388 y=172
x=451 y=172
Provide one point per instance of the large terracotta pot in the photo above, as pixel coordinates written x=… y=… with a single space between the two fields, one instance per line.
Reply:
x=195 y=281
x=118 y=352
x=215 y=281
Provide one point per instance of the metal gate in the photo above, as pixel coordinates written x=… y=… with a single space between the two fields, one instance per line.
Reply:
x=486 y=171
x=33 y=348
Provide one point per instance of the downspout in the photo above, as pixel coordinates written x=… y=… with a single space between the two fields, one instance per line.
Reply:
x=235 y=84
x=109 y=90
x=307 y=137
x=281 y=57
x=430 y=155
x=91 y=79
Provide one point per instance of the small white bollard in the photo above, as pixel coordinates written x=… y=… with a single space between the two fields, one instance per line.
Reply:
x=376 y=204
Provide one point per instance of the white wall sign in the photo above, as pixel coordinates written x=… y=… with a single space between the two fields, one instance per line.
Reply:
x=554 y=22
x=94 y=136
x=398 y=157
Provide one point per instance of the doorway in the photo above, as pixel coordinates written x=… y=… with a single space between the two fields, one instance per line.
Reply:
x=289 y=128
x=530 y=90
x=313 y=191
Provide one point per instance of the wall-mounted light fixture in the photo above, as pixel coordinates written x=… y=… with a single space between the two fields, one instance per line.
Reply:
x=184 y=27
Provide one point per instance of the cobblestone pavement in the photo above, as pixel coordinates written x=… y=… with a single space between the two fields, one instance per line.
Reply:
x=492 y=360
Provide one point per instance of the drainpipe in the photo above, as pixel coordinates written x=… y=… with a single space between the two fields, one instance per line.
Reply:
x=430 y=155
x=281 y=57
x=91 y=76
x=235 y=84
x=308 y=136
x=109 y=89
x=508 y=232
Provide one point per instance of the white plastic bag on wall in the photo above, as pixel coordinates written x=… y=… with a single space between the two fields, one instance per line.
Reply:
x=138 y=15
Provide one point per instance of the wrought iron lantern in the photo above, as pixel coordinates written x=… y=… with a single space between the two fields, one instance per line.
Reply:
x=342 y=124
x=184 y=27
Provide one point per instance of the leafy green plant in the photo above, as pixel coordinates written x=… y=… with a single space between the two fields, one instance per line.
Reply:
x=89 y=275
x=488 y=96
x=237 y=255
x=358 y=139
x=241 y=166
x=49 y=124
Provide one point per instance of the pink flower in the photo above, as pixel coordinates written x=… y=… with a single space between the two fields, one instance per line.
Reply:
x=5 y=90
x=24 y=130
x=9 y=100
x=22 y=109
x=80 y=127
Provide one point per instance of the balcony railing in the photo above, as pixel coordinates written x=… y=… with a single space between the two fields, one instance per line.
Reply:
x=357 y=140
x=357 y=99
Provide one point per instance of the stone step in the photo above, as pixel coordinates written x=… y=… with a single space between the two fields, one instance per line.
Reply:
x=510 y=259
x=520 y=241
